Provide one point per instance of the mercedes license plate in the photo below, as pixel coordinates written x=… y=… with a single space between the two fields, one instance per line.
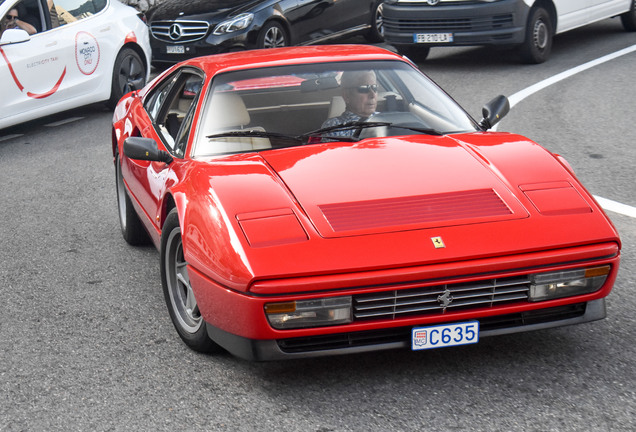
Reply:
x=175 y=49
x=445 y=335
x=433 y=38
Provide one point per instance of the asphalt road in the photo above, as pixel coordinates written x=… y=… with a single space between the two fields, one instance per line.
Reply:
x=87 y=344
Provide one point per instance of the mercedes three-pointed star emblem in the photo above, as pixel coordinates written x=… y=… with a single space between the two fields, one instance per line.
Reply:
x=175 y=32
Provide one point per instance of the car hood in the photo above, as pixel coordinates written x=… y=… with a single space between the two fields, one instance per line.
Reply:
x=198 y=9
x=383 y=203
x=394 y=185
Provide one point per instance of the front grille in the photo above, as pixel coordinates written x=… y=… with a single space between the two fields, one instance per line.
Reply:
x=401 y=336
x=439 y=299
x=179 y=31
x=463 y=24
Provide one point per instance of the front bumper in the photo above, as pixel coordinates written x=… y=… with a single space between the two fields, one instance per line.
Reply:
x=398 y=338
x=498 y=23
x=237 y=321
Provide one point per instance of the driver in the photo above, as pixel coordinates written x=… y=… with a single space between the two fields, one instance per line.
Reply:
x=360 y=94
x=11 y=20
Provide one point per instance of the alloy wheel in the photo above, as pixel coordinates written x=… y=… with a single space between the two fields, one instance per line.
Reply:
x=182 y=298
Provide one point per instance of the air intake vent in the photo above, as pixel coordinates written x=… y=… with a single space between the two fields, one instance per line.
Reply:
x=441 y=207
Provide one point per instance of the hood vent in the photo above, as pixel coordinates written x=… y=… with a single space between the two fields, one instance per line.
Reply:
x=442 y=207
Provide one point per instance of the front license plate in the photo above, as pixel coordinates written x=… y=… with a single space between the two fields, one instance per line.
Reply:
x=433 y=38
x=445 y=335
x=175 y=49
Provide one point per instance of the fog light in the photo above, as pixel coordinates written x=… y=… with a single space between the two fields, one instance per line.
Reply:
x=309 y=313
x=546 y=286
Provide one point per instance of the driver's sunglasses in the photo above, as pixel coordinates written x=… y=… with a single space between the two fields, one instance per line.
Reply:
x=11 y=17
x=363 y=89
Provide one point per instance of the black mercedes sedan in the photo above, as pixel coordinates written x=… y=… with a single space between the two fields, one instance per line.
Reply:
x=184 y=29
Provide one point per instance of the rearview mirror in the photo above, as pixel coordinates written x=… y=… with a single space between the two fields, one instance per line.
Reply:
x=494 y=111
x=141 y=148
x=13 y=36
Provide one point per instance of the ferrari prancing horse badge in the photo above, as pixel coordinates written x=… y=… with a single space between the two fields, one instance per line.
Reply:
x=438 y=242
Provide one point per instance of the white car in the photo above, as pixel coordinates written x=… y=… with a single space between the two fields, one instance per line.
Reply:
x=414 y=26
x=62 y=54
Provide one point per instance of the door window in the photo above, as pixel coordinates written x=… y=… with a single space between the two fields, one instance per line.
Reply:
x=172 y=106
x=68 y=11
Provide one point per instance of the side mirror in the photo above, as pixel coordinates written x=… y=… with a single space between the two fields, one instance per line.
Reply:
x=140 y=148
x=494 y=111
x=13 y=36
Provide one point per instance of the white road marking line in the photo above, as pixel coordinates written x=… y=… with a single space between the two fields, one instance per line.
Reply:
x=8 y=137
x=65 y=121
x=521 y=95
x=514 y=99
x=616 y=207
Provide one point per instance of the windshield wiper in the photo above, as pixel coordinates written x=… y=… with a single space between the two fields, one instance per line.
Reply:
x=365 y=125
x=345 y=126
x=255 y=134
x=427 y=131
x=322 y=132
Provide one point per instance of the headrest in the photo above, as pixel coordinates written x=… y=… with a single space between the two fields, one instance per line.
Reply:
x=228 y=111
x=336 y=107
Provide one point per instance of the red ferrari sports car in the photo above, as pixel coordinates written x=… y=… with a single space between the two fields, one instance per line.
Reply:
x=326 y=200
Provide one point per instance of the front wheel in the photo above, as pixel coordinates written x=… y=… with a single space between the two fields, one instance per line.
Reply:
x=182 y=305
x=537 y=46
x=129 y=74
x=272 y=35
x=629 y=18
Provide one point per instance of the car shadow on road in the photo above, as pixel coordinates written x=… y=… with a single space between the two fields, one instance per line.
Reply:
x=53 y=120
x=501 y=352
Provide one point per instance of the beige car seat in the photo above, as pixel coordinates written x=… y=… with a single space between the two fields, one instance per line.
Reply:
x=228 y=113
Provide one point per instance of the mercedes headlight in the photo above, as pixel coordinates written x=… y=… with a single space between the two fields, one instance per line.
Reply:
x=237 y=23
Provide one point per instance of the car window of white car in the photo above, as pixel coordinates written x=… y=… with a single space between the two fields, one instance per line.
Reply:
x=69 y=11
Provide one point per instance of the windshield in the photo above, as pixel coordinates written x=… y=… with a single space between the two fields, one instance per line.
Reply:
x=259 y=109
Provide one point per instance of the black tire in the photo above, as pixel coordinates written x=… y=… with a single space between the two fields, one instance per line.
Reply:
x=177 y=291
x=129 y=73
x=414 y=52
x=272 y=35
x=131 y=226
x=629 y=18
x=376 y=32
x=539 y=33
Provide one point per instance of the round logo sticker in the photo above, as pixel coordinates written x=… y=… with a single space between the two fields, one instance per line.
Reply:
x=86 y=52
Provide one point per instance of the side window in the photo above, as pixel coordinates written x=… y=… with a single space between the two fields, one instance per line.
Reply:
x=68 y=11
x=172 y=108
x=188 y=98
x=27 y=15
x=155 y=101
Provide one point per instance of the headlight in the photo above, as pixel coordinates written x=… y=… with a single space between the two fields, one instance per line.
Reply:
x=547 y=286
x=309 y=313
x=237 y=23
